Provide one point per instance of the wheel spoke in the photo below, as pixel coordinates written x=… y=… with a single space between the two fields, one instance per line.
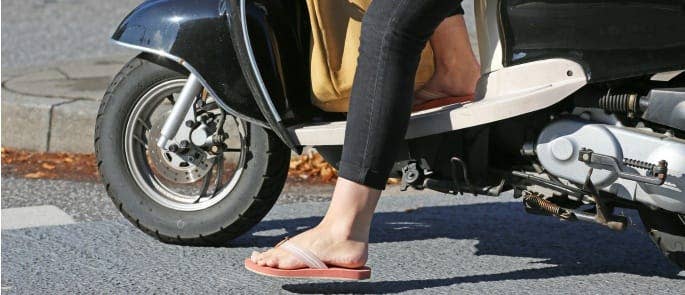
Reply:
x=173 y=184
x=205 y=185
x=242 y=137
x=141 y=141
x=219 y=173
x=219 y=163
x=145 y=124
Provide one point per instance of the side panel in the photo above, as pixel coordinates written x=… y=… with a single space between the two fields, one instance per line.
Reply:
x=612 y=38
x=196 y=34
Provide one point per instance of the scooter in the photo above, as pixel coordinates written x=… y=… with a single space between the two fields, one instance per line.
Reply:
x=580 y=110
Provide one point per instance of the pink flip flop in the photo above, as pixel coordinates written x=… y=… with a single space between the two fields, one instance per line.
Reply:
x=316 y=269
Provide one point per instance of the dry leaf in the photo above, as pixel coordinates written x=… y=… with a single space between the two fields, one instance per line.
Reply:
x=35 y=175
x=327 y=174
x=311 y=167
x=394 y=181
x=48 y=166
x=80 y=167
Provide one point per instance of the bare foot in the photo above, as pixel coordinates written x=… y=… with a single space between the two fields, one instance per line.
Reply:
x=333 y=249
x=453 y=82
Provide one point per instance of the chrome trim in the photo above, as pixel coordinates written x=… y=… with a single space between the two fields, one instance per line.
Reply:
x=253 y=63
x=666 y=76
x=193 y=71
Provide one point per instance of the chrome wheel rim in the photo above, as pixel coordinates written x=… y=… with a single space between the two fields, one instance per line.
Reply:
x=144 y=162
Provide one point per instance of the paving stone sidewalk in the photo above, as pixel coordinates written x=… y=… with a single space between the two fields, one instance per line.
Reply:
x=53 y=108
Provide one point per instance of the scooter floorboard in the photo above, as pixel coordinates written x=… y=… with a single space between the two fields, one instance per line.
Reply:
x=502 y=94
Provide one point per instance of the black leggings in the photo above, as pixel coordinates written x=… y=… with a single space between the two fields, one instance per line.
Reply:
x=394 y=33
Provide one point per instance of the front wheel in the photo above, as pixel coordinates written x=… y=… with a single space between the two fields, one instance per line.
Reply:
x=206 y=194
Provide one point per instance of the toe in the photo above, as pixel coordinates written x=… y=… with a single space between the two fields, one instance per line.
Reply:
x=265 y=257
x=254 y=257
x=272 y=262
x=261 y=260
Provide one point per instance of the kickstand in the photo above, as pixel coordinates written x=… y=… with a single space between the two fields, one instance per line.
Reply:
x=458 y=162
x=604 y=214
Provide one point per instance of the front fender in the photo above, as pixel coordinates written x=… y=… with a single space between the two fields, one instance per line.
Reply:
x=194 y=33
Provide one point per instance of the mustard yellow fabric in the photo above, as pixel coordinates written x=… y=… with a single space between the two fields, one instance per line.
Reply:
x=336 y=28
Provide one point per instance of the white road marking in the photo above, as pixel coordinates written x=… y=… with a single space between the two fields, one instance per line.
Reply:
x=16 y=218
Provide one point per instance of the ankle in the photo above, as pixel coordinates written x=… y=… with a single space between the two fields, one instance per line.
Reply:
x=459 y=69
x=341 y=230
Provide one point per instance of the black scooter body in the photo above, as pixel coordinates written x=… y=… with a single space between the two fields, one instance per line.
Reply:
x=544 y=62
x=196 y=34
x=613 y=40
x=207 y=37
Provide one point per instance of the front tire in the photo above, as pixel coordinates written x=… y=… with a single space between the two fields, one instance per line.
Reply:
x=251 y=196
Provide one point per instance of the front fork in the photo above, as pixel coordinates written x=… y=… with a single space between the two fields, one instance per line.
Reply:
x=182 y=106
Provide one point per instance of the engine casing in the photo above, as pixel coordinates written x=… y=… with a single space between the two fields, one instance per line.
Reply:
x=559 y=144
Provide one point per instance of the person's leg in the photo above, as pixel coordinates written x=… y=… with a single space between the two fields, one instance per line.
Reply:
x=456 y=68
x=394 y=33
x=342 y=236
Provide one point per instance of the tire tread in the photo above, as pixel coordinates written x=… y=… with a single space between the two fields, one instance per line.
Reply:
x=270 y=184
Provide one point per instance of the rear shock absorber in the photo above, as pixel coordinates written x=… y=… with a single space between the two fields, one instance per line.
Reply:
x=625 y=103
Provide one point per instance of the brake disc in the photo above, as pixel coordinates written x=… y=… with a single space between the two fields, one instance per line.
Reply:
x=175 y=167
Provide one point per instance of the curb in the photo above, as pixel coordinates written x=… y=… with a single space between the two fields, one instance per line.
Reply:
x=42 y=124
x=53 y=108
x=48 y=124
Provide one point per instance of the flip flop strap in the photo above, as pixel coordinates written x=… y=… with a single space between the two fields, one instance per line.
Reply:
x=304 y=255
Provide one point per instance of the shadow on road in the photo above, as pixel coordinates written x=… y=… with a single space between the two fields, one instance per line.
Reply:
x=501 y=229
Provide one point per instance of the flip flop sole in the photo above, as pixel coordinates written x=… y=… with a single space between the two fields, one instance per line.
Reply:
x=333 y=273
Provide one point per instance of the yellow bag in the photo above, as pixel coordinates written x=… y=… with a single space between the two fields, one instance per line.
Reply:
x=336 y=28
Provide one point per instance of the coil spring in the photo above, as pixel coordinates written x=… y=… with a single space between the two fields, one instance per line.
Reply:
x=617 y=103
x=639 y=164
x=534 y=200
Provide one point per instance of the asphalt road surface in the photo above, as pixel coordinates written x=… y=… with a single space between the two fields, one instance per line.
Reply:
x=421 y=242
x=39 y=32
